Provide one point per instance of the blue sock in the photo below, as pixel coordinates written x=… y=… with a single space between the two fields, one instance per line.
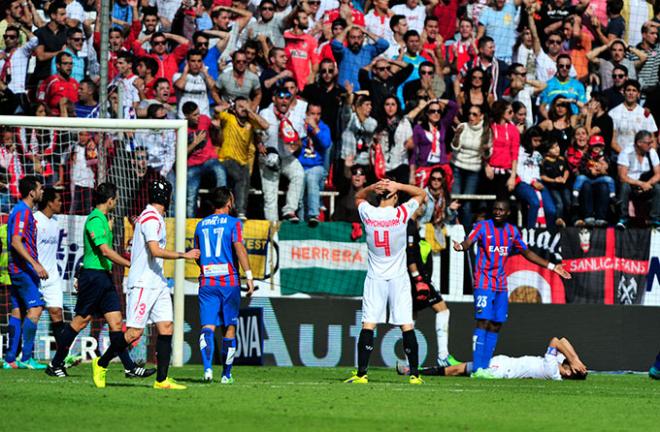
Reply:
x=228 y=351
x=657 y=362
x=29 y=332
x=14 y=339
x=478 y=348
x=206 y=347
x=489 y=350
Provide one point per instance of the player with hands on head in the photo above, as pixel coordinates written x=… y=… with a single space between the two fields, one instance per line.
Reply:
x=219 y=237
x=387 y=281
x=496 y=241
x=148 y=298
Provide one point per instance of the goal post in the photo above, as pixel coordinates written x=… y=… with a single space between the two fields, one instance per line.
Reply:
x=119 y=125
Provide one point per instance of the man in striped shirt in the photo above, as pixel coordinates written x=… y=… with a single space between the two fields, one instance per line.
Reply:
x=496 y=240
x=220 y=241
x=25 y=272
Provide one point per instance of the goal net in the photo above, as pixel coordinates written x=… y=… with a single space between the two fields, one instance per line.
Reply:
x=74 y=156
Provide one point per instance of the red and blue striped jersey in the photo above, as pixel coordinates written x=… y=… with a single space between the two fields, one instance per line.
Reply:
x=22 y=223
x=215 y=236
x=494 y=246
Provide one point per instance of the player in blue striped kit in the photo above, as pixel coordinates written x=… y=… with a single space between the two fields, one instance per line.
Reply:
x=219 y=238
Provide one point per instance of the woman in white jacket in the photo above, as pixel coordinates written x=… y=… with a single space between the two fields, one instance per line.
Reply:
x=471 y=145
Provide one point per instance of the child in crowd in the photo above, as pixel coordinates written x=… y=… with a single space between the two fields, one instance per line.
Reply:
x=594 y=169
x=554 y=174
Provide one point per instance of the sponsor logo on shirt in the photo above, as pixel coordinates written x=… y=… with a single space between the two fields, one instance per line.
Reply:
x=501 y=250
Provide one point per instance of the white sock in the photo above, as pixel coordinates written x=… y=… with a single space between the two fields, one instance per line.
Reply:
x=442 y=333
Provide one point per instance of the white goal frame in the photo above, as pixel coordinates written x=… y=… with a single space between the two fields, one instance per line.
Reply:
x=180 y=187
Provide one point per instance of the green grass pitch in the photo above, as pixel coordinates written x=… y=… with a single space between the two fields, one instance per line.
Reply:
x=314 y=399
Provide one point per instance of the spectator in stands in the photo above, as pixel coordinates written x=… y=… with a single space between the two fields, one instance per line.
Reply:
x=617 y=56
x=546 y=61
x=357 y=54
x=300 y=48
x=399 y=27
x=238 y=81
x=555 y=174
x=312 y=158
x=122 y=14
x=74 y=46
x=325 y=91
x=281 y=144
x=433 y=46
x=377 y=79
x=14 y=62
x=358 y=134
x=272 y=76
x=430 y=150
x=639 y=173
x=14 y=16
x=52 y=40
x=8 y=100
x=345 y=209
x=563 y=85
x=501 y=166
x=522 y=90
x=160 y=146
x=211 y=55
x=414 y=13
x=577 y=150
x=429 y=85
x=377 y=21
x=498 y=21
x=598 y=122
x=648 y=74
x=269 y=24
x=411 y=56
x=194 y=85
x=84 y=163
x=630 y=118
x=202 y=154
x=614 y=94
x=161 y=91
x=560 y=123
x=475 y=92
x=577 y=44
x=221 y=16
x=347 y=11
x=129 y=84
x=238 y=124
x=496 y=69
x=88 y=100
x=11 y=169
x=59 y=89
x=530 y=191
x=616 y=25
x=472 y=145
x=440 y=209
x=464 y=49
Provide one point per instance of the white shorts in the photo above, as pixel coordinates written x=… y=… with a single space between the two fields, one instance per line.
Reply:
x=379 y=293
x=52 y=293
x=145 y=306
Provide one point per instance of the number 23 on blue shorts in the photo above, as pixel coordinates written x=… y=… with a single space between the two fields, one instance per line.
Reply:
x=491 y=305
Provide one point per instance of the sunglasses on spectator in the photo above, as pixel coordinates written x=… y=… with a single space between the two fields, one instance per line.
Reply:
x=618 y=75
x=436 y=178
x=564 y=66
x=268 y=9
x=202 y=43
x=284 y=95
x=240 y=61
x=7 y=36
x=554 y=41
x=158 y=43
x=519 y=73
x=327 y=71
x=358 y=172
x=314 y=2
x=433 y=111
x=66 y=63
x=473 y=114
x=77 y=39
x=426 y=72
x=477 y=77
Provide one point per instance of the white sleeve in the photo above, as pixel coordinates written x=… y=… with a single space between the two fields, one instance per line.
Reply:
x=624 y=159
x=411 y=205
x=149 y=230
x=363 y=209
x=654 y=158
x=551 y=367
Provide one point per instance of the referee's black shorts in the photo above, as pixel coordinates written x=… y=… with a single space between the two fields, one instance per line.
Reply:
x=96 y=293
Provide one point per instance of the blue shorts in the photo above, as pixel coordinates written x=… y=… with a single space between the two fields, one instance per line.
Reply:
x=491 y=305
x=97 y=294
x=219 y=306
x=24 y=292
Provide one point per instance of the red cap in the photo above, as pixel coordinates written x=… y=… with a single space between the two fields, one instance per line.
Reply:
x=596 y=140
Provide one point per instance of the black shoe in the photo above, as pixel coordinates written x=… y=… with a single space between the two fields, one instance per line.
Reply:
x=313 y=222
x=56 y=371
x=139 y=372
x=291 y=217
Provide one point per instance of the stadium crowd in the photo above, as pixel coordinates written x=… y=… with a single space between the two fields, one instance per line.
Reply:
x=553 y=102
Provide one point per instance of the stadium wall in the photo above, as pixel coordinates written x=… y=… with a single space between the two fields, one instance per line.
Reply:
x=323 y=332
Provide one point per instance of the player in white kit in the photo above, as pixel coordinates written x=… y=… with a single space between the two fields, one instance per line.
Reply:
x=148 y=298
x=48 y=240
x=387 y=281
x=559 y=362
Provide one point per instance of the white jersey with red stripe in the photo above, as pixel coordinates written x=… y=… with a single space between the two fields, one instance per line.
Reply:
x=535 y=367
x=147 y=271
x=386 y=238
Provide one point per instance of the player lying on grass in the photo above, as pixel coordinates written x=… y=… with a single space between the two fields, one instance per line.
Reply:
x=559 y=362
x=219 y=238
x=387 y=281
x=496 y=241
x=148 y=297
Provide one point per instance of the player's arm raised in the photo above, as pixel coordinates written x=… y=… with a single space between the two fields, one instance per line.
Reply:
x=242 y=255
x=113 y=256
x=363 y=194
x=157 y=252
x=557 y=268
x=415 y=192
x=17 y=244
x=565 y=347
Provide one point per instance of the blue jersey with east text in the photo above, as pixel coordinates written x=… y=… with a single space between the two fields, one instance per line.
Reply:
x=215 y=236
x=22 y=223
x=494 y=246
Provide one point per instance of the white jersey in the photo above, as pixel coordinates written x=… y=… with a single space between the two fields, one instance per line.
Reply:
x=147 y=271
x=48 y=239
x=386 y=238
x=535 y=367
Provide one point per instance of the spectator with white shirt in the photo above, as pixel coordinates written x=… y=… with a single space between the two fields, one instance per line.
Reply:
x=414 y=12
x=84 y=162
x=194 y=84
x=14 y=62
x=629 y=118
x=377 y=21
x=639 y=173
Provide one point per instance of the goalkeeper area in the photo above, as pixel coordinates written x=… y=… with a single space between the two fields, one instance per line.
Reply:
x=315 y=399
